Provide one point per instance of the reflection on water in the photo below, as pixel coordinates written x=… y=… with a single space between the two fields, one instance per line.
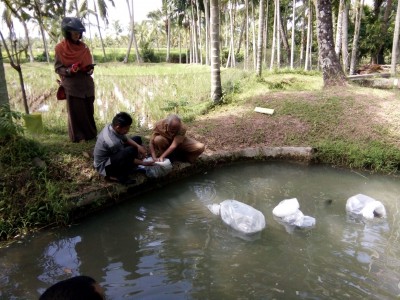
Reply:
x=168 y=245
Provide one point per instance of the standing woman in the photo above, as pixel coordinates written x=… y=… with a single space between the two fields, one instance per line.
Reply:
x=74 y=64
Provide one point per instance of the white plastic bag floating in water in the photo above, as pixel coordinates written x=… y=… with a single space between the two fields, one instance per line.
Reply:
x=286 y=208
x=239 y=216
x=159 y=169
x=365 y=206
x=288 y=212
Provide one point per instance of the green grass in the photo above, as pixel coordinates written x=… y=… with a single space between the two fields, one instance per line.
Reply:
x=375 y=156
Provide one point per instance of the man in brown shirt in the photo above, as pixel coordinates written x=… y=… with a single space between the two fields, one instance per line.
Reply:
x=169 y=140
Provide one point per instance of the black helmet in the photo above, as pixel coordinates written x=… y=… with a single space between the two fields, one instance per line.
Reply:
x=71 y=24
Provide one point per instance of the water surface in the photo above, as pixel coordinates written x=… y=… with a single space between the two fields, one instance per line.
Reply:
x=166 y=244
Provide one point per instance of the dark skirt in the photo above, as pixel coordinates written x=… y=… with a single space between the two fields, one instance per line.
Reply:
x=81 y=124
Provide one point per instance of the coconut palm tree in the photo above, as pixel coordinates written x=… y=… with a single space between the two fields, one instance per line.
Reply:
x=231 y=54
x=274 y=35
x=246 y=49
x=132 y=36
x=307 y=63
x=332 y=71
x=100 y=11
x=156 y=26
x=395 y=41
x=293 y=31
x=384 y=22
x=339 y=28
x=260 y=37
x=358 y=7
x=216 y=88
x=207 y=28
x=345 y=38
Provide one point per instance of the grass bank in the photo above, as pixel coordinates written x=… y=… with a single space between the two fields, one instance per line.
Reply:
x=353 y=127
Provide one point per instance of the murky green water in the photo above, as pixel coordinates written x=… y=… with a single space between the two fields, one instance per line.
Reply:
x=167 y=244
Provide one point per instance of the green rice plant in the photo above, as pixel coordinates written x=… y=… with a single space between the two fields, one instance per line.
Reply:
x=40 y=85
x=141 y=90
x=146 y=90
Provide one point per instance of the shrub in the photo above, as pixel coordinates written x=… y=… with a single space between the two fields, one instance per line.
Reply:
x=9 y=125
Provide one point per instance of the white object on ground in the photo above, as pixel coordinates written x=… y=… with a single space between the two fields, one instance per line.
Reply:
x=239 y=216
x=288 y=212
x=365 y=206
x=268 y=111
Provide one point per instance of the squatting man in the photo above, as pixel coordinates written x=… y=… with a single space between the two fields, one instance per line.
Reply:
x=169 y=140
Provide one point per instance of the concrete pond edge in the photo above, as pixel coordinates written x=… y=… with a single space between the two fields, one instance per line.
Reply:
x=99 y=198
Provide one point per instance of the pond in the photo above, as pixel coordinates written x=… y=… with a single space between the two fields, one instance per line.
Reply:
x=167 y=244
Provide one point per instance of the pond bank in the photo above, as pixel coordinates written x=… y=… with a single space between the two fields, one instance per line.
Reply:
x=113 y=193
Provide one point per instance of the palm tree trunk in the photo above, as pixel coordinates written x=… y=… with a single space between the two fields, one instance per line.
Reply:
x=46 y=48
x=266 y=31
x=231 y=60
x=345 y=47
x=303 y=17
x=278 y=36
x=395 y=41
x=284 y=38
x=378 y=56
x=98 y=28
x=246 y=51
x=359 y=6
x=271 y=67
x=307 y=65
x=180 y=46
x=198 y=14
x=254 y=35
x=28 y=41
x=77 y=9
x=293 y=30
x=207 y=39
x=241 y=36
x=195 y=38
x=132 y=38
x=216 y=88
x=339 y=28
x=331 y=69
x=39 y=18
x=260 y=38
x=167 y=58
